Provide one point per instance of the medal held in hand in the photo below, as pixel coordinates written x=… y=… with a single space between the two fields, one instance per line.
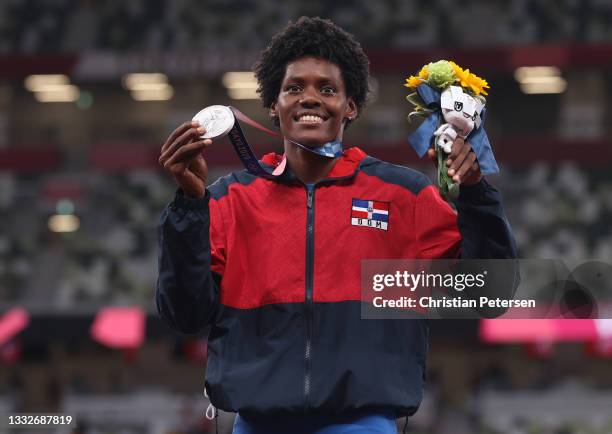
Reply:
x=220 y=120
x=452 y=102
x=217 y=120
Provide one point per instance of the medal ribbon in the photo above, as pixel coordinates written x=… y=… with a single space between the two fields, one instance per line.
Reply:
x=247 y=156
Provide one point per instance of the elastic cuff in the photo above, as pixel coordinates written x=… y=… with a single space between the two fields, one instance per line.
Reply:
x=474 y=193
x=184 y=202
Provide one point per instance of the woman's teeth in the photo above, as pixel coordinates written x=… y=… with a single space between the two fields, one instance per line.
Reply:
x=310 y=119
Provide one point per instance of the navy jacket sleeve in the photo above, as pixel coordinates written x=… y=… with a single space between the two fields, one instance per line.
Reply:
x=485 y=231
x=486 y=234
x=187 y=293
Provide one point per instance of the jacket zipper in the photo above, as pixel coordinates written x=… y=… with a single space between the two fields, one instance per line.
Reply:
x=309 y=285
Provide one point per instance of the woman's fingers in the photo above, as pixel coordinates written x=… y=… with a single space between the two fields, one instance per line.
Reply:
x=464 y=170
x=179 y=131
x=188 y=136
x=455 y=150
x=187 y=152
x=462 y=162
x=459 y=152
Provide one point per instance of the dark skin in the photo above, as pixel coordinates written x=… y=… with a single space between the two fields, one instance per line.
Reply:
x=181 y=156
x=312 y=107
x=462 y=163
x=312 y=87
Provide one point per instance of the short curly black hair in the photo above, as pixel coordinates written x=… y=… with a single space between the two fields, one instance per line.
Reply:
x=319 y=38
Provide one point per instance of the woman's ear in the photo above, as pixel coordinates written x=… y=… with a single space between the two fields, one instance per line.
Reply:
x=351 y=110
x=273 y=112
x=274 y=115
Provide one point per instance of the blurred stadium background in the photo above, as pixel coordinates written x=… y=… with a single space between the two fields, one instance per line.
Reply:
x=81 y=193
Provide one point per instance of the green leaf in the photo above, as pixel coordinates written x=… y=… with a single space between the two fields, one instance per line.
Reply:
x=417 y=114
x=415 y=99
x=447 y=188
x=453 y=191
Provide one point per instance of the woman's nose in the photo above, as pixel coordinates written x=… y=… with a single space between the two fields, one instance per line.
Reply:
x=310 y=98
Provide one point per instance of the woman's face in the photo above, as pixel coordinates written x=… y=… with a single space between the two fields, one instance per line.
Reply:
x=312 y=105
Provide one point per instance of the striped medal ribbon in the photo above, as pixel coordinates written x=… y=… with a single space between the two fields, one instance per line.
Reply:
x=220 y=120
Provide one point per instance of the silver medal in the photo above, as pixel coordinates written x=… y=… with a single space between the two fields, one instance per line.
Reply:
x=217 y=120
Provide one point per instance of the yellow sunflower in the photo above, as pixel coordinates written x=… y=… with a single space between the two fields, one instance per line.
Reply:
x=470 y=80
x=413 y=82
x=461 y=74
x=477 y=84
x=424 y=73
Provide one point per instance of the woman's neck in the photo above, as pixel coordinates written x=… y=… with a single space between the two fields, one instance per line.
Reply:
x=309 y=167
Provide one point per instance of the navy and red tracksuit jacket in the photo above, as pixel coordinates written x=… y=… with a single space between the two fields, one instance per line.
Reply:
x=273 y=267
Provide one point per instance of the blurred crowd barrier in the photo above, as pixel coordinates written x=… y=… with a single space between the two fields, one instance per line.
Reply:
x=245 y=25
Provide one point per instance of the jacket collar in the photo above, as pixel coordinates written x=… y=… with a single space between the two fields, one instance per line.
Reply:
x=345 y=166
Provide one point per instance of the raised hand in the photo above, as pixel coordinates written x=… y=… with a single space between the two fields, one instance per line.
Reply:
x=462 y=163
x=181 y=156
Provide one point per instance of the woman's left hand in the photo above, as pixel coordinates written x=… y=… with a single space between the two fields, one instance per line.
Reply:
x=462 y=163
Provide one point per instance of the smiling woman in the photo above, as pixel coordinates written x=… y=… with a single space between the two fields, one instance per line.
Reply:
x=312 y=109
x=312 y=106
x=273 y=265
x=313 y=79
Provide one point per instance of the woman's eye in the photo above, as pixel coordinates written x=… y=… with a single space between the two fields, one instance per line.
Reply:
x=328 y=90
x=293 y=88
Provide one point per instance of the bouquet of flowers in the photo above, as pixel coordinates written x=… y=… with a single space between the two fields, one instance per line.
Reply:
x=453 y=102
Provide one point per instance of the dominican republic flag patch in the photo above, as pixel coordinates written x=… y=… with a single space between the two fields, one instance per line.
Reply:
x=370 y=213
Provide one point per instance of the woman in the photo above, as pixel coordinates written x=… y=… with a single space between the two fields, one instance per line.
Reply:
x=273 y=265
